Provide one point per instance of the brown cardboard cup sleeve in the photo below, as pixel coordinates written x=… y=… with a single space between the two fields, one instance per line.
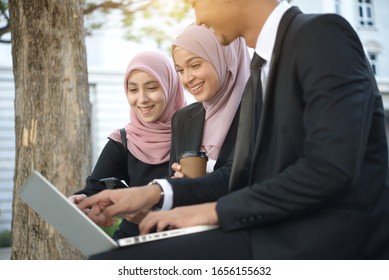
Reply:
x=193 y=163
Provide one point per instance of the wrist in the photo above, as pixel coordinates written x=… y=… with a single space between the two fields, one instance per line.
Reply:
x=161 y=196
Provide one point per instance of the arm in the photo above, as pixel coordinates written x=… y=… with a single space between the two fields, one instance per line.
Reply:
x=109 y=164
x=207 y=188
x=102 y=207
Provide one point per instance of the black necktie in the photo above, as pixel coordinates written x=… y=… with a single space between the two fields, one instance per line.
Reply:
x=248 y=125
x=255 y=68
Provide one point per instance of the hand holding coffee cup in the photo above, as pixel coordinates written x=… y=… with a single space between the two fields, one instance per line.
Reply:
x=193 y=163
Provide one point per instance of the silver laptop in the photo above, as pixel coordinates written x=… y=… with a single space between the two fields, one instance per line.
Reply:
x=74 y=225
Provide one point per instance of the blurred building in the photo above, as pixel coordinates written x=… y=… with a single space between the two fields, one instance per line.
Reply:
x=370 y=18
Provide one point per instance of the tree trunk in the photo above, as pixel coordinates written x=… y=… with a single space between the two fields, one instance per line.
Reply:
x=52 y=115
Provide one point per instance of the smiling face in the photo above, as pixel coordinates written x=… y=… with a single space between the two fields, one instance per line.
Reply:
x=197 y=75
x=145 y=96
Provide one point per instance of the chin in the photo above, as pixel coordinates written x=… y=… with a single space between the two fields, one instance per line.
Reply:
x=148 y=120
x=199 y=98
x=222 y=40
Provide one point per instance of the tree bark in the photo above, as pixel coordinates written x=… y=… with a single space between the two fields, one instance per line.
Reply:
x=52 y=115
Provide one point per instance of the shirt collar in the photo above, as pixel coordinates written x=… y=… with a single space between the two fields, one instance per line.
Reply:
x=267 y=37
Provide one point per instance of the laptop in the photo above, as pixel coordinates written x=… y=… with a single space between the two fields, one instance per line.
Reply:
x=78 y=228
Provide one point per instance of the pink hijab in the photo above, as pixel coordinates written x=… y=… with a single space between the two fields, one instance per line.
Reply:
x=232 y=64
x=150 y=142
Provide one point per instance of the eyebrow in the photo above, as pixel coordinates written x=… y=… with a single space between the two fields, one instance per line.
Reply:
x=189 y=60
x=147 y=83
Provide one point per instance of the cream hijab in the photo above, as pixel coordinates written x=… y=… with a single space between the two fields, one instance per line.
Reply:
x=232 y=64
x=150 y=142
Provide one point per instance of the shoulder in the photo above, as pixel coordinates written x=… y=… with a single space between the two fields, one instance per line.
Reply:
x=311 y=18
x=190 y=110
x=324 y=34
x=113 y=146
x=315 y=23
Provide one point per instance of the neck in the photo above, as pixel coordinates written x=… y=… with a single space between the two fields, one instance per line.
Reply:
x=257 y=14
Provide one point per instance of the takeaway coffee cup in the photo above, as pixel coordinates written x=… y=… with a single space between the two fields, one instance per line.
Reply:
x=193 y=163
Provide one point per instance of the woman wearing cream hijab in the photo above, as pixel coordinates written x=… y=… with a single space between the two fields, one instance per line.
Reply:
x=216 y=76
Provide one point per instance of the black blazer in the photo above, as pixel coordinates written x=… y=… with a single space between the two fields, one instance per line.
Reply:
x=187 y=132
x=320 y=161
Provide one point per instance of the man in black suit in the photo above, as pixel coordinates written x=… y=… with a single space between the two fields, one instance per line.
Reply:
x=308 y=179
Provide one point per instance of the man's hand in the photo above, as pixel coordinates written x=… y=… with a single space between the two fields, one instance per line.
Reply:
x=102 y=207
x=138 y=217
x=201 y=214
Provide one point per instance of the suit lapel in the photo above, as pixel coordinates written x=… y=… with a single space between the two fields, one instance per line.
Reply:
x=191 y=140
x=283 y=27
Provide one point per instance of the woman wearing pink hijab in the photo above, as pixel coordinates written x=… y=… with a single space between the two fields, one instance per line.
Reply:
x=154 y=94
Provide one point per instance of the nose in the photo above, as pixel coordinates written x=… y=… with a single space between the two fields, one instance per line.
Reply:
x=143 y=96
x=187 y=77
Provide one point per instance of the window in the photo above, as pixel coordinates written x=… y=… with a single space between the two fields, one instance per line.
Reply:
x=373 y=61
x=337 y=6
x=365 y=13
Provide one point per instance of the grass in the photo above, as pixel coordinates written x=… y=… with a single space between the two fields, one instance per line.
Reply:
x=111 y=230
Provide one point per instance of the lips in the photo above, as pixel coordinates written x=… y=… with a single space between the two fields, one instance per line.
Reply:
x=145 y=110
x=196 y=88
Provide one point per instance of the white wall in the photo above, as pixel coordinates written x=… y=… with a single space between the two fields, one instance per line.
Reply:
x=7 y=146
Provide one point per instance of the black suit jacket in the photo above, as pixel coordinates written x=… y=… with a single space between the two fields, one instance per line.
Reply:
x=320 y=161
x=187 y=132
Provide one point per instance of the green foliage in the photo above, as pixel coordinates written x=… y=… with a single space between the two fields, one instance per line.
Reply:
x=169 y=13
x=141 y=19
x=5 y=239
x=3 y=6
x=4 y=21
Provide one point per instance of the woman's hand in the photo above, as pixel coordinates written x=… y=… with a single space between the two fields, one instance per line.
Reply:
x=177 y=168
x=77 y=198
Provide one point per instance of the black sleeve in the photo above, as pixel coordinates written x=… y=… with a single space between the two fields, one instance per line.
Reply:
x=110 y=164
x=173 y=157
x=203 y=189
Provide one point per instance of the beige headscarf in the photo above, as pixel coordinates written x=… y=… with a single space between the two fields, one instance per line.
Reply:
x=232 y=64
